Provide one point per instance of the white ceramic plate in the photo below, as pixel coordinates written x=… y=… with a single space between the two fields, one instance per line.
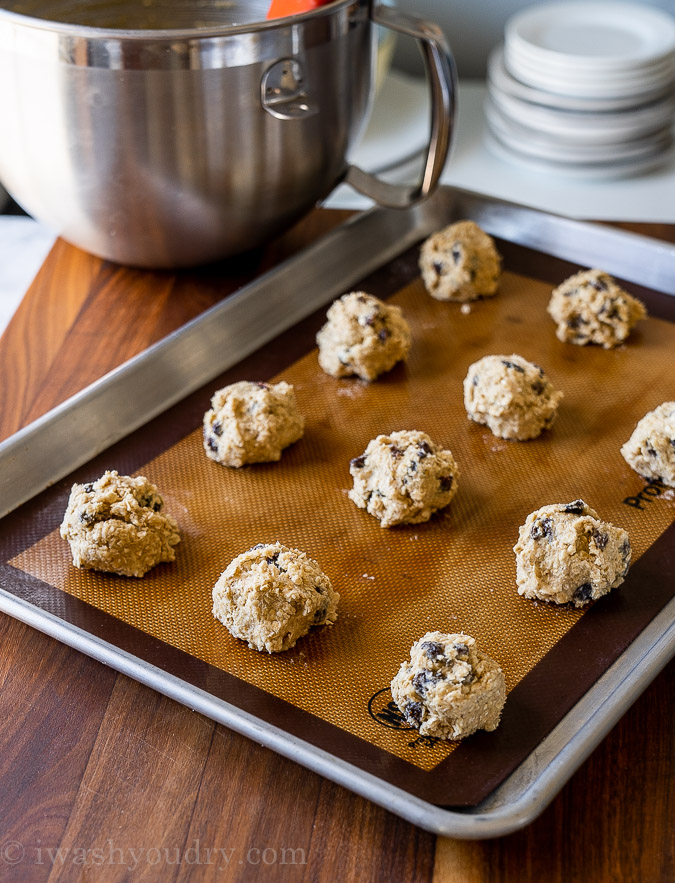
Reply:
x=500 y=79
x=571 y=70
x=587 y=127
x=598 y=36
x=571 y=66
x=535 y=143
x=592 y=86
x=598 y=172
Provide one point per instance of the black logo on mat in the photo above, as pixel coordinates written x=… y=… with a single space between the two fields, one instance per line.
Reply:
x=384 y=711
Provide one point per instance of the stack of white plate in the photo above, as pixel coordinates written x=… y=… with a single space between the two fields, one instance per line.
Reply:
x=584 y=87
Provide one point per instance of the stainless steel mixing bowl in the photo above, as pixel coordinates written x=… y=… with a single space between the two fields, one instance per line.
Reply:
x=168 y=133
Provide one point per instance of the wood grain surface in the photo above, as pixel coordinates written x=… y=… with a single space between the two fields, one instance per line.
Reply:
x=103 y=779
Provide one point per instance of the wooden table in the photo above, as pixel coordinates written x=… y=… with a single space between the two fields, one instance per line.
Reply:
x=102 y=778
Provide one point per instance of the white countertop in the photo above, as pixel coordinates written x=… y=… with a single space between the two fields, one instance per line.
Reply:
x=402 y=107
x=24 y=244
x=397 y=133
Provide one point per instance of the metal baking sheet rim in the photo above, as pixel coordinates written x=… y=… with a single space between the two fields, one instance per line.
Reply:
x=513 y=805
x=250 y=318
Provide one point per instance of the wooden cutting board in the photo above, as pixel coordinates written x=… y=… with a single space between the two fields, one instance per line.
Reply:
x=87 y=316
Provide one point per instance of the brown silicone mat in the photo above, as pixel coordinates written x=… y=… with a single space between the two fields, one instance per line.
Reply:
x=455 y=573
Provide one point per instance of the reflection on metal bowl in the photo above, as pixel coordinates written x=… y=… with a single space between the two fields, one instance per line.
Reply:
x=173 y=133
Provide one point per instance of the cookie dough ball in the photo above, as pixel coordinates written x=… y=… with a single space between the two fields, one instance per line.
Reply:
x=116 y=524
x=590 y=307
x=272 y=595
x=449 y=689
x=362 y=336
x=510 y=395
x=567 y=555
x=251 y=423
x=650 y=450
x=460 y=263
x=403 y=478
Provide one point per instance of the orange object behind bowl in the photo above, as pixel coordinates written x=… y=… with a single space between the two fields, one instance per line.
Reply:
x=282 y=8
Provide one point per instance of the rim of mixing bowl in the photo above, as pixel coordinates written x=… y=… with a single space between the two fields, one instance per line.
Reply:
x=93 y=32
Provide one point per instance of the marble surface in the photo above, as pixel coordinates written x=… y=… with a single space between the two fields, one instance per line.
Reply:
x=24 y=244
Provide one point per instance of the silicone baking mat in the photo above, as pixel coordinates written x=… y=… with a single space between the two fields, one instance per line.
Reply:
x=454 y=573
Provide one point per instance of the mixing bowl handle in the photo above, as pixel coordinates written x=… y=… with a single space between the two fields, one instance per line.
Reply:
x=443 y=85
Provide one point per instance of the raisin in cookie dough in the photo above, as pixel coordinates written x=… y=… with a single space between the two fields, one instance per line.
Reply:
x=116 y=525
x=272 y=595
x=590 y=307
x=650 y=450
x=363 y=336
x=510 y=395
x=251 y=423
x=403 y=478
x=460 y=263
x=449 y=688
x=567 y=555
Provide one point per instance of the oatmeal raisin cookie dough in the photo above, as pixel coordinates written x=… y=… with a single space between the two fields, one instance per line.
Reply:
x=363 y=336
x=460 y=263
x=251 y=423
x=449 y=688
x=116 y=524
x=590 y=307
x=510 y=395
x=650 y=450
x=403 y=478
x=272 y=595
x=566 y=554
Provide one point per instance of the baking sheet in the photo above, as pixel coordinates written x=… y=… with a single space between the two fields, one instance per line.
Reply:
x=499 y=481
